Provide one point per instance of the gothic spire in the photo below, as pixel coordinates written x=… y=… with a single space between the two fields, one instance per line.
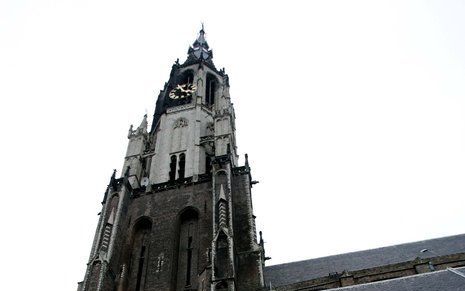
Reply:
x=200 y=49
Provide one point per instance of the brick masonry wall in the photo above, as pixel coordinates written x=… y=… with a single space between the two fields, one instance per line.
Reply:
x=163 y=209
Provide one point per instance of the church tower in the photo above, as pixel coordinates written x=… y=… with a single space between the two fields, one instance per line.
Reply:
x=180 y=215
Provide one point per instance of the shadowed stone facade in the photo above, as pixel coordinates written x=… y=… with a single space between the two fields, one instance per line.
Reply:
x=180 y=215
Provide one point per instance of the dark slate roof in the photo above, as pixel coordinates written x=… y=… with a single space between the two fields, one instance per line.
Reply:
x=445 y=280
x=200 y=52
x=294 y=272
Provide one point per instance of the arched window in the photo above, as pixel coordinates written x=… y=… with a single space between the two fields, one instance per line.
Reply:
x=187 y=77
x=182 y=166
x=139 y=255
x=173 y=168
x=222 y=256
x=187 y=251
x=211 y=86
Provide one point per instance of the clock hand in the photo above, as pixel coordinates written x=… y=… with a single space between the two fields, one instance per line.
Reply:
x=181 y=87
x=190 y=88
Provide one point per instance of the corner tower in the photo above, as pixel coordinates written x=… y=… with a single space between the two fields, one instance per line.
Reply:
x=180 y=216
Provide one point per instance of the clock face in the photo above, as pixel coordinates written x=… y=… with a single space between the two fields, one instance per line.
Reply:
x=182 y=91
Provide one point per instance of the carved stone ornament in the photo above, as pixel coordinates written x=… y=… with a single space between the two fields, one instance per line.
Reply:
x=180 y=123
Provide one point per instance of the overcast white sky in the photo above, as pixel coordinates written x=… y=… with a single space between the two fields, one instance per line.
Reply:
x=352 y=113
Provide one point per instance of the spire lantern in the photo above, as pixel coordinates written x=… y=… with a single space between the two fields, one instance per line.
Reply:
x=200 y=49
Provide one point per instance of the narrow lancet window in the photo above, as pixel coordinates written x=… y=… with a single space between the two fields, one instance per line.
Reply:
x=182 y=166
x=210 y=90
x=173 y=168
x=188 y=251
x=222 y=256
x=189 y=255
x=140 y=267
x=138 y=258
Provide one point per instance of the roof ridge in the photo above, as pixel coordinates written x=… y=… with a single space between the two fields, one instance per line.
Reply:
x=366 y=250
